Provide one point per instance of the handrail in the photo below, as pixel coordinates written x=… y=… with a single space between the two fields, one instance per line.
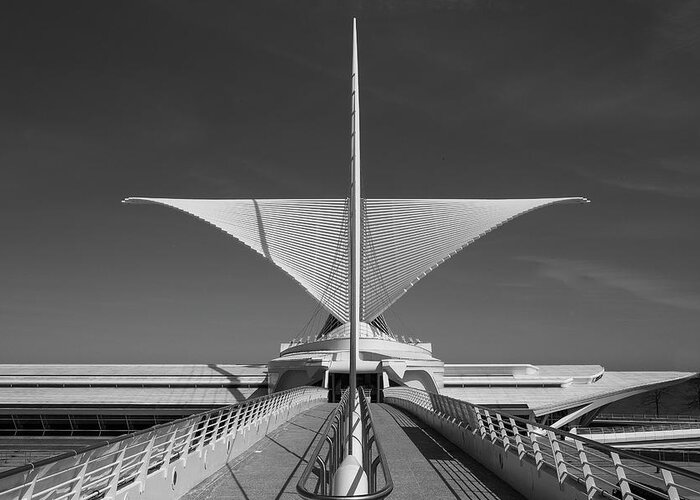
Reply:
x=118 y=439
x=648 y=417
x=329 y=453
x=324 y=466
x=369 y=442
x=109 y=465
x=597 y=466
x=638 y=428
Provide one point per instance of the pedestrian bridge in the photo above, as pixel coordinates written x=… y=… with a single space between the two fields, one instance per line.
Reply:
x=424 y=465
x=435 y=447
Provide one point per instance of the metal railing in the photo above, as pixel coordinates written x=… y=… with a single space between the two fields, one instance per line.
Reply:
x=373 y=455
x=310 y=339
x=330 y=451
x=106 y=468
x=638 y=428
x=602 y=471
x=647 y=417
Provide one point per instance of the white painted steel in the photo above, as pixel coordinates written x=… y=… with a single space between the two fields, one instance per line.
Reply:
x=404 y=239
x=355 y=228
x=307 y=239
x=332 y=449
x=161 y=462
x=546 y=462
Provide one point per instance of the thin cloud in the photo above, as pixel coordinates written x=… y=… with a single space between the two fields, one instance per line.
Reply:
x=666 y=189
x=662 y=176
x=581 y=274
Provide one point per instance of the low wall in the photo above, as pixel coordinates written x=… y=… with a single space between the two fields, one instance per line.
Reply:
x=185 y=473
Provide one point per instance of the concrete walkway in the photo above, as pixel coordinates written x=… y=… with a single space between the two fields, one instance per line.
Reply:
x=271 y=468
x=423 y=464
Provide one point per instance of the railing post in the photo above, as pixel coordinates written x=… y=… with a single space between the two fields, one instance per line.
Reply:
x=146 y=459
x=504 y=433
x=463 y=414
x=473 y=417
x=203 y=437
x=227 y=427
x=186 y=449
x=621 y=477
x=480 y=422
x=78 y=486
x=492 y=430
x=451 y=407
x=214 y=435
x=532 y=435
x=517 y=438
x=114 y=483
x=670 y=485
x=27 y=495
x=587 y=472
x=558 y=457
x=235 y=419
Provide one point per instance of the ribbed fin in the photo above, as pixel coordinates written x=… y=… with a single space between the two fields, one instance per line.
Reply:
x=307 y=239
x=403 y=239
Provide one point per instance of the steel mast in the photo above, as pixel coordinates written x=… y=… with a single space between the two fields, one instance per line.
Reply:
x=355 y=220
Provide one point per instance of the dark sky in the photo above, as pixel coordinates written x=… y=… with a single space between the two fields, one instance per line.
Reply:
x=103 y=100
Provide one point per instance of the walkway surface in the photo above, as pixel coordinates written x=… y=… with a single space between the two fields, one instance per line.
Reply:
x=423 y=464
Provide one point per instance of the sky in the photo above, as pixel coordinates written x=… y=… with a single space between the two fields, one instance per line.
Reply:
x=474 y=99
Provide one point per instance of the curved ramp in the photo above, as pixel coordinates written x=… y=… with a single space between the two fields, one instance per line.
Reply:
x=424 y=465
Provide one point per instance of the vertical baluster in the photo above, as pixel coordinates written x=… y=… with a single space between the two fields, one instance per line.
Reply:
x=463 y=414
x=114 y=482
x=670 y=485
x=454 y=411
x=260 y=409
x=492 y=430
x=517 y=438
x=244 y=415
x=78 y=485
x=504 y=433
x=236 y=421
x=472 y=416
x=532 y=435
x=29 y=492
x=203 y=437
x=480 y=422
x=145 y=463
x=186 y=449
x=587 y=472
x=558 y=457
x=217 y=425
x=254 y=411
x=451 y=413
x=229 y=418
x=168 y=453
x=621 y=477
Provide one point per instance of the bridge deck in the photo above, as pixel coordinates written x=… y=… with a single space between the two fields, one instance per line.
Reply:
x=423 y=464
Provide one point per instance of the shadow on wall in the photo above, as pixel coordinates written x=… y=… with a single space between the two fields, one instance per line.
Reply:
x=296 y=378
x=419 y=379
x=235 y=380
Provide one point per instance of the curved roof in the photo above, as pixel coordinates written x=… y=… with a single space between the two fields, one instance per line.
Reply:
x=403 y=239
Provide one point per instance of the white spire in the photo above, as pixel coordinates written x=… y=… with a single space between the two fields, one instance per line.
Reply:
x=355 y=227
